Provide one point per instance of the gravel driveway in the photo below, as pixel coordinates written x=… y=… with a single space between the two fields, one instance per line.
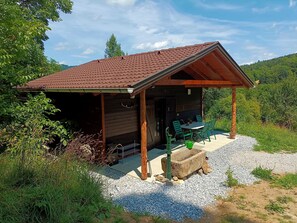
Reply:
x=188 y=199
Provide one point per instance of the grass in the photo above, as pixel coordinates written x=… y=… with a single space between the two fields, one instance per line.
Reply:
x=270 y=138
x=287 y=181
x=57 y=191
x=233 y=219
x=274 y=206
x=285 y=199
x=262 y=173
x=43 y=191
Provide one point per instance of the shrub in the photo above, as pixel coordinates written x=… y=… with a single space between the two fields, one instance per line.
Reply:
x=264 y=174
x=32 y=129
x=231 y=181
x=247 y=110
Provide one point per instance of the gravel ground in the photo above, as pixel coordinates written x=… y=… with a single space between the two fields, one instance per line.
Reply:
x=188 y=199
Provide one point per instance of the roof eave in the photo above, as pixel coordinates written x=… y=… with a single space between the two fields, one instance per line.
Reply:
x=157 y=76
x=250 y=83
x=80 y=90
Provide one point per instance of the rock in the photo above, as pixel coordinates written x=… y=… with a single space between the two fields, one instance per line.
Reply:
x=175 y=178
x=206 y=168
x=200 y=171
x=165 y=180
x=160 y=178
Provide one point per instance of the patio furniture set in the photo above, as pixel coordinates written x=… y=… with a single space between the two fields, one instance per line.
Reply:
x=197 y=130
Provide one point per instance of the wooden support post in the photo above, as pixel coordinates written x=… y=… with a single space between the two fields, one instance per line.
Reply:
x=233 y=121
x=103 y=128
x=143 y=126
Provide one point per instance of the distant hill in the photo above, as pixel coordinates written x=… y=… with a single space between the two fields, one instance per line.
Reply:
x=274 y=70
x=65 y=67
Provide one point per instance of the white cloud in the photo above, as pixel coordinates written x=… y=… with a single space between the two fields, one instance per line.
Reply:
x=266 y=9
x=88 y=51
x=121 y=2
x=61 y=46
x=292 y=3
x=148 y=25
x=259 y=52
x=148 y=30
x=151 y=46
x=80 y=56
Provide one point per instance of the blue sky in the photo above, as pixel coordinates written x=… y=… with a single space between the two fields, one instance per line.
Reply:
x=249 y=30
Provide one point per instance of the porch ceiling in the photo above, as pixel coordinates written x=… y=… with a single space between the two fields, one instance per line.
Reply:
x=212 y=70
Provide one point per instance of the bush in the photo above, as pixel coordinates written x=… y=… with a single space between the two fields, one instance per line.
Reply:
x=87 y=147
x=43 y=191
x=247 y=110
x=31 y=128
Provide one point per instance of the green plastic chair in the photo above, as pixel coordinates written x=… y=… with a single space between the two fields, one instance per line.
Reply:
x=179 y=132
x=211 y=131
x=199 y=118
x=203 y=134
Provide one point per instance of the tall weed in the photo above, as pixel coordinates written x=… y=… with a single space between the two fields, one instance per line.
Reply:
x=43 y=191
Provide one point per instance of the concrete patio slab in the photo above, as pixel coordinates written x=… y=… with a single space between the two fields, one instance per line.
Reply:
x=132 y=165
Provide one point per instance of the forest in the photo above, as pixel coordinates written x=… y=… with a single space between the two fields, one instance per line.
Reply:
x=273 y=100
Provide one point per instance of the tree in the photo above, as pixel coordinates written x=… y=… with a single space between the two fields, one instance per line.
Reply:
x=113 y=48
x=23 y=29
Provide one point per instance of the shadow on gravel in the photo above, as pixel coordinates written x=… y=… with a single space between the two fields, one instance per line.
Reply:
x=108 y=172
x=159 y=204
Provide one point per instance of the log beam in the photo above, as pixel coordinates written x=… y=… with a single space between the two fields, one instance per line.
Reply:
x=224 y=64
x=103 y=128
x=143 y=126
x=233 y=120
x=194 y=73
x=209 y=83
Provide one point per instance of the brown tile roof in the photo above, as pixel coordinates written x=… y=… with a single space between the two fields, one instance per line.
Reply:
x=117 y=72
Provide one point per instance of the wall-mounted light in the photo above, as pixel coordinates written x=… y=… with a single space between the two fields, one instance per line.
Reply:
x=189 y=91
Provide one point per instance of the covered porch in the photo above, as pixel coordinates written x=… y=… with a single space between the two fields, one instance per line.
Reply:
x=132 y=164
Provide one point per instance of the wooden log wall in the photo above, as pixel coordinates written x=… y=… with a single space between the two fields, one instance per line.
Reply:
x=121 y=116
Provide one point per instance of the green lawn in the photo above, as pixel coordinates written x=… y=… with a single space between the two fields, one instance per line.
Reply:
x=270 y=138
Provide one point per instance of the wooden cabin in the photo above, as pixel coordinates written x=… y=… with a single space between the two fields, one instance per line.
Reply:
x=134 y=98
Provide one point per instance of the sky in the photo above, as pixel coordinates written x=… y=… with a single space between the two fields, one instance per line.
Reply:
x=250 y=31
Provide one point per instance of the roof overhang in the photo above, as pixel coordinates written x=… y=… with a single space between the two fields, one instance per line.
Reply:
x=154 y=79
x=210 y=66
x=79 y=90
